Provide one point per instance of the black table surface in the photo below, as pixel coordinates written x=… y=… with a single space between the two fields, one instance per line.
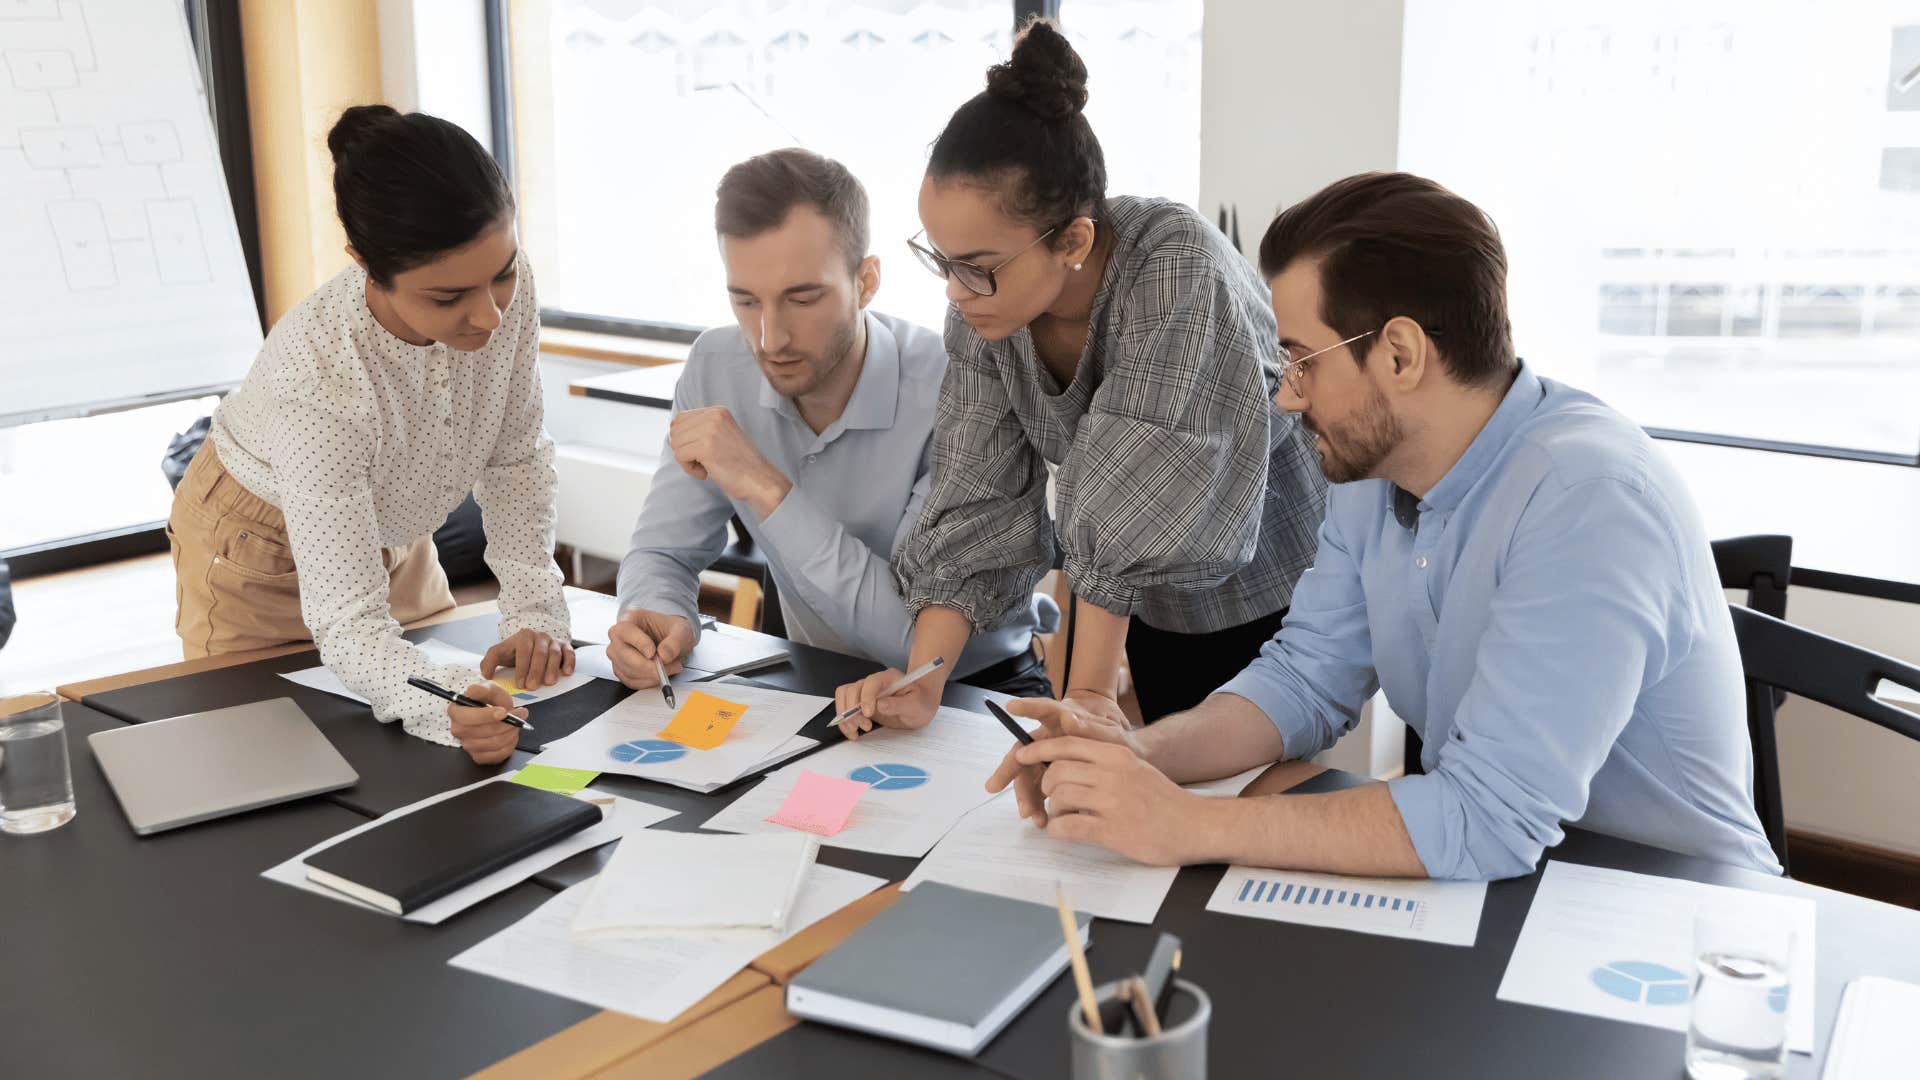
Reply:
x=1309 y=1001
x=168 y=955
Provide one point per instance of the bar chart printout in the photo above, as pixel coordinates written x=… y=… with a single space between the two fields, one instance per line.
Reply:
x=1444 y=912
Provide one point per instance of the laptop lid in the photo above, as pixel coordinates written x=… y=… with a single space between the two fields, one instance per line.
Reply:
x=191 y=768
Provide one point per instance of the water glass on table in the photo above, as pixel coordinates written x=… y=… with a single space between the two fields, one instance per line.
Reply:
x=36 y=786
x=1742 y=980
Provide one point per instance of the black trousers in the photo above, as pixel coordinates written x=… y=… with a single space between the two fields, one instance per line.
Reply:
x=1022 y=675
x=1173 y=671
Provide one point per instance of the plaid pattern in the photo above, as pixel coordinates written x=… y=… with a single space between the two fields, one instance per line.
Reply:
x=1182 y=495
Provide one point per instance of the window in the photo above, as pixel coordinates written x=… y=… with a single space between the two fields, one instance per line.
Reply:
x=1709 y=208
x=627 y=112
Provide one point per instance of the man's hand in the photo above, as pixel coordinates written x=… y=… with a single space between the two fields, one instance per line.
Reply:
x=1101 y=792
x=537 y=659
x=639 y=637
x=486 y=738
x=709 y=445
x=913 y=707
x=1084 y=715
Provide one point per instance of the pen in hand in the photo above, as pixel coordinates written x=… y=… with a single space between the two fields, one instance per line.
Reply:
x=904 y=681
x=666 y=688
x=462 y=700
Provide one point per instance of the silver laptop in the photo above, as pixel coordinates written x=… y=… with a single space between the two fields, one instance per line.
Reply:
x=170 y=773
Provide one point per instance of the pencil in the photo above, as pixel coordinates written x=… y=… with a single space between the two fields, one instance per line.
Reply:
x=1143 y=1013
x=1081 y=977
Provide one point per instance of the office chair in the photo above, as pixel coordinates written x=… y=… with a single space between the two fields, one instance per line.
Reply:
x=1776 y=655
x=1762 y=566
x=742 y=559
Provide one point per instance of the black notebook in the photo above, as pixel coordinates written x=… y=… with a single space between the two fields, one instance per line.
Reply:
x=419 y=858
x=942 y=967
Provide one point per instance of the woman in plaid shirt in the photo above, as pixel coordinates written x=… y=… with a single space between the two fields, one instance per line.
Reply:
x=1125 y=343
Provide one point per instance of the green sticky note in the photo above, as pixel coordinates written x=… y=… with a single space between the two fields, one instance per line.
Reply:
x=549 y=778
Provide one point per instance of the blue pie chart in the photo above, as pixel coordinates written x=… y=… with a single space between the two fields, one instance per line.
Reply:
x=889 y=777
x=1639 y=981
x=647 y=752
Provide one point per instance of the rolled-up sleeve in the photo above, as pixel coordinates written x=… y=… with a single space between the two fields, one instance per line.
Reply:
x=1313 y=677
x=984 y=537
x=1589 y=610
x=1169 y=465
x=516 y=494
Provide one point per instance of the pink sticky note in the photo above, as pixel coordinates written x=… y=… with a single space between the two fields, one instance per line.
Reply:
x=819 y=804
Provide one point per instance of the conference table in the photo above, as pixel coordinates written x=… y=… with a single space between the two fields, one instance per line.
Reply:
x=169 y=955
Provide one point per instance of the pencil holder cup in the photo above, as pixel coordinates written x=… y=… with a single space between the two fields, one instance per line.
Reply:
x=1180 y=1053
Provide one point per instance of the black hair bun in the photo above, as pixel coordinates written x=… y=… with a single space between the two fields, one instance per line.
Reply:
x=355 y=125
x=1044 y=74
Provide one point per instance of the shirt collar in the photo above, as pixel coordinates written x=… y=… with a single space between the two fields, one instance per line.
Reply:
x=1521 y=399
x=876 y=397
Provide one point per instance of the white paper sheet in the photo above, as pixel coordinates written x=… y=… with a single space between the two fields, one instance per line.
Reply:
x=625 y=739
x=440 y=653
x=654 y=978
x=1875 y=1037
x=662 y=882
x=625 y=816
x=1443 y=912
x=923 y=782
x=994 y=850
x=1635 y=933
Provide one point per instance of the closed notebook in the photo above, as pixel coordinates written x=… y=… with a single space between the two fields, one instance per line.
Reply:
x=943 y=967
x=425 y=855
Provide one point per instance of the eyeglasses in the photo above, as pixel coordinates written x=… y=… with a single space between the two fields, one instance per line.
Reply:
x=977 y=279
x=1294 y=371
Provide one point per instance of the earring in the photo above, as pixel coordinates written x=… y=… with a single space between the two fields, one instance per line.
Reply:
x=1076 y=266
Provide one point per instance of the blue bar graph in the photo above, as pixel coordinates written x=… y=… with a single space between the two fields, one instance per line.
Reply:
x=1360 y=904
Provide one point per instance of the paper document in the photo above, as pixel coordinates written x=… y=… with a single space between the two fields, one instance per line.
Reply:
x=918 y=783
x=1443 y=912
x=624 y=817
x=674 y=882
x=722 y=651
x=627 y=738
x=442 y=654
x=994 y=850
x=653 y=978
x=1619 y=945
x=591 y=614
x=1875 y=1036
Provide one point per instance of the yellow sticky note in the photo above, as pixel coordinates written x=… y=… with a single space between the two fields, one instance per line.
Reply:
x=703 y=722
x=515 y=690
x=554 y=778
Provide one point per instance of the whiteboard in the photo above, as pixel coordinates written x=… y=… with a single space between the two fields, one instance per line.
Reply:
x=121 y=276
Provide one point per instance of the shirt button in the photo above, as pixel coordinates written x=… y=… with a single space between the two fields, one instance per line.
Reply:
x=1421 y=562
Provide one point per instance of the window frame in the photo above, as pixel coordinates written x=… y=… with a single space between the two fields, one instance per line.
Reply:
x=500 y=101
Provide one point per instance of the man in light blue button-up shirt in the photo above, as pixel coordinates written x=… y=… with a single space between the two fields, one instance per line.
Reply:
x=1510 y=560
x=810 y=419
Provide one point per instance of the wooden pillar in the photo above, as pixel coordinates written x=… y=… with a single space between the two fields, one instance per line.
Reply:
x=306 y=61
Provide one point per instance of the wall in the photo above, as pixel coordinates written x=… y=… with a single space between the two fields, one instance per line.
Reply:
x=306 y=61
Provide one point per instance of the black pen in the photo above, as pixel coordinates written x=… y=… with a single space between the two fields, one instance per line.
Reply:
x=463 y=700
x=1006 y=721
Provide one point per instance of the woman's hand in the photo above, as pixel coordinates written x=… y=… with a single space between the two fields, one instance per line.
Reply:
x=537 y=659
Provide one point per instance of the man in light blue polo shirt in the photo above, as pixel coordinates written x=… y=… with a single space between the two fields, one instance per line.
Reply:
x=810 y=419
x=1511 y=560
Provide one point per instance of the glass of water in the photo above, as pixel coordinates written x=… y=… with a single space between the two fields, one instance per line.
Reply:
x=36 y=787
x=1742 y=978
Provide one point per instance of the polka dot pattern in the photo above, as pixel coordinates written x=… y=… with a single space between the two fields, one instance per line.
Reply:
x=365 y=443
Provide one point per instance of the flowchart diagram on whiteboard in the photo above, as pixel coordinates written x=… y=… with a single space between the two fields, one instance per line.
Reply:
x=120 y=265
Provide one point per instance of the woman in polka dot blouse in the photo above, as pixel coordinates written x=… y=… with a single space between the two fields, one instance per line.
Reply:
x=375 y=405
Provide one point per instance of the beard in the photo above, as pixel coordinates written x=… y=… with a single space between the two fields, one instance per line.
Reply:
x=1356 y=446
x=808 y=371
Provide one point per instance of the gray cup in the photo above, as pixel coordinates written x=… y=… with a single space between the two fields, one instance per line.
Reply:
x=1180 y=1053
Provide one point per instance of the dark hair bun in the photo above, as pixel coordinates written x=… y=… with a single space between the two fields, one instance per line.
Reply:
x=1044 y=74
x=354 y=125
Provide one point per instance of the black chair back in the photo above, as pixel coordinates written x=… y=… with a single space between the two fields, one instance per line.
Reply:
x=1762 y=565
x=1776 y=655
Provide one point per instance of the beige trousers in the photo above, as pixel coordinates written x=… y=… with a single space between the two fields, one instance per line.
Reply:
x=235 y=584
